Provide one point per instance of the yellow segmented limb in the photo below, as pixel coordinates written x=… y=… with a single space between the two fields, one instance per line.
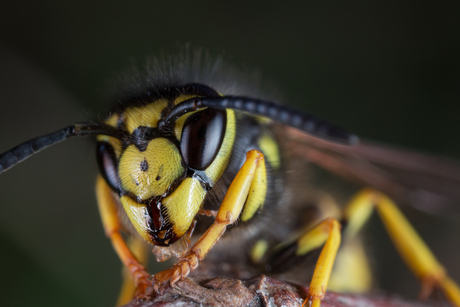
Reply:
x=328 y=231
x=109 y=215
x=451 y=290
x=352 y=272
x=228 y=213
x=257 y=193
x=140 y=250
x=415 y=253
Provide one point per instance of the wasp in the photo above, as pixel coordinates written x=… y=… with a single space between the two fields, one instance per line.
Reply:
x=201 y=166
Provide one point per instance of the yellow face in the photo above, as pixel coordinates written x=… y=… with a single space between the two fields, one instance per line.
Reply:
x=162 y=178
x=151 y=172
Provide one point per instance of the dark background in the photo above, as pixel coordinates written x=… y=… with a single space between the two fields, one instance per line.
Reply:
x=389 y=71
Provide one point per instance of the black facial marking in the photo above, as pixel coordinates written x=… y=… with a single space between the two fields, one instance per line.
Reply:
x=144 y=165
x=141 y=137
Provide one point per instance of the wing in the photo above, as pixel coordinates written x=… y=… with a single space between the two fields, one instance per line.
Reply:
x=427 y=182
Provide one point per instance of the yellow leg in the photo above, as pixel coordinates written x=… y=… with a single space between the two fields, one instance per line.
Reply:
x=352 y=271
x=109 y=215
x=228 y=213
x=411 y=247
x=140 y=250
x=327 y=231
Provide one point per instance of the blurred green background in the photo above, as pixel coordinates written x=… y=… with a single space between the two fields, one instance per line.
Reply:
x=389 y=71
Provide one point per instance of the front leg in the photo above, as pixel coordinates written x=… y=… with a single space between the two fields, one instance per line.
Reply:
x=112 y=225
x=247 y=179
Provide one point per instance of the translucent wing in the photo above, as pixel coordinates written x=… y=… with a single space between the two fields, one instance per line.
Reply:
x=430 y=183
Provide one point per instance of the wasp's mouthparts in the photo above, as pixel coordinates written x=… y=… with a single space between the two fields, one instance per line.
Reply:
x=160 y=229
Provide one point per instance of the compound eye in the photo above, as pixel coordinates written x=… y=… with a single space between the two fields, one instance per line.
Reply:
x=202 y=137
x=108 y=165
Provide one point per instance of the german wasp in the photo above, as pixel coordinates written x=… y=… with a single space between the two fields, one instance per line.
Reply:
x=203 y=166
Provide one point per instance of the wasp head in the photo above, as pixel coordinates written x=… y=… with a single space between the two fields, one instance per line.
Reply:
x=162 y=177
